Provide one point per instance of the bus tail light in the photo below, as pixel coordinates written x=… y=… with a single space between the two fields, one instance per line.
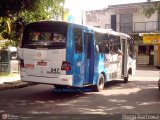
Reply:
x=66 y=66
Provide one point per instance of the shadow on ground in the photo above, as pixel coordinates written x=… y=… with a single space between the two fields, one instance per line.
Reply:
x=134 y=97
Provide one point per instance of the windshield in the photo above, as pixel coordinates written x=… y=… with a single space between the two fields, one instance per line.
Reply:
x=50 y=35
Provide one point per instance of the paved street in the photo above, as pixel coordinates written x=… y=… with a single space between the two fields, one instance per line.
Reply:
x=140 y=95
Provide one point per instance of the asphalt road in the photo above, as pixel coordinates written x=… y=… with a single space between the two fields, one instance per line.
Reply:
x=140 y=95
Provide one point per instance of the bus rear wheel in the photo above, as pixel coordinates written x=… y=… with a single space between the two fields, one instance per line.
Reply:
x=159 y=84
x=60 y=86
x=100 y=83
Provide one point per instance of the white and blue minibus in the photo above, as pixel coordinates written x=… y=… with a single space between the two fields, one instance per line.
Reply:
x=66 y=54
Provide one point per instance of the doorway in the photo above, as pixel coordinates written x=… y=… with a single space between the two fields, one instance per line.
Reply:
x=146 y=54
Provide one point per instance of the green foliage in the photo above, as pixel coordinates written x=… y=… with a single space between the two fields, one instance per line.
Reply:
x=16 y=13
x=151 y=8
x=46 y=10
x=10 y=8
x=2 y=25
x=8 y=32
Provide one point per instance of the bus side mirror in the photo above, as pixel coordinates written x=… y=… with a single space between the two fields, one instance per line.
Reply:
x=97 y=48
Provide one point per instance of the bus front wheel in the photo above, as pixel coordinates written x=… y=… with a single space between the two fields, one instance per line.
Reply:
x=100 y=83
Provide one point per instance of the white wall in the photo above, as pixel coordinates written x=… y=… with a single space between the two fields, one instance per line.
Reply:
x=141 y=22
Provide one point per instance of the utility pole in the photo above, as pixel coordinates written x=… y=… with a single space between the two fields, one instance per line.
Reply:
x=149 y=1
x=82 y=18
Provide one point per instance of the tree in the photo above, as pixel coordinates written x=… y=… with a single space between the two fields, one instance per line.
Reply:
x=10 y=8
x=16 y=13
x=45 y=9
x=151 y=7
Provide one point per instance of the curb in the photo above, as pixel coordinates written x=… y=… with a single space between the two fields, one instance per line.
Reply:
x=14 y=85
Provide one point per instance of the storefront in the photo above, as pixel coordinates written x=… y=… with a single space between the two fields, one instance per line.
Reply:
x=145 y=54
x=148 y=49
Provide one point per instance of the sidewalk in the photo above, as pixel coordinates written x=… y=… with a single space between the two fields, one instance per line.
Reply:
x=12 y=82
x=147 y=68
x=7 y=79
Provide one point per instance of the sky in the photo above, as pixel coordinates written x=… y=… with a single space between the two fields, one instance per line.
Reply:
x=77 y=6
x=96 y=4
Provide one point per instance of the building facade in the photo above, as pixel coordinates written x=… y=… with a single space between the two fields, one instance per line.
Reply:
x=130 y=19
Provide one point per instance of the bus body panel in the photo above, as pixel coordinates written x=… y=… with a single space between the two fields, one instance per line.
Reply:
x=114 y=66
x=76 y=60
x=61 y=80
x=82 y=66
x=40 y=62
x=40 y=65
x=132 y=65
x=100 y=68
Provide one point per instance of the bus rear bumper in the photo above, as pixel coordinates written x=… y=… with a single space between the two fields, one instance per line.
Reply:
x=61 y=80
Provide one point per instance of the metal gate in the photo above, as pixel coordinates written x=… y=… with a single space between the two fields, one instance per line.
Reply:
x=5 y=60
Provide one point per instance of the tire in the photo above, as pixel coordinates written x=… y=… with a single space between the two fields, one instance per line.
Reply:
x=100 y=83
x=60 y=86
x=159 y=84
x=126 y=79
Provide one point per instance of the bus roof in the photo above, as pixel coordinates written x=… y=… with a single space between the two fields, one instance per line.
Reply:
x=101 y=30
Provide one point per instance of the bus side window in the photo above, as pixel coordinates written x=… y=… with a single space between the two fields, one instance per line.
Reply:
x=78 y=40
x=115 y=45
x=118 y=50
x=51 y=36
x=102 y=43
x=111 y=49
x=107 y=48
x=111 y=46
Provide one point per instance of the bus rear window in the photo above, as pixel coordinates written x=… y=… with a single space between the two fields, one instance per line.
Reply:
x=45 y=35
